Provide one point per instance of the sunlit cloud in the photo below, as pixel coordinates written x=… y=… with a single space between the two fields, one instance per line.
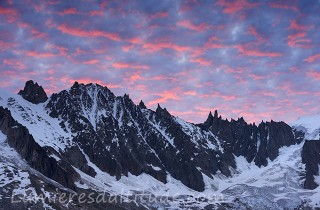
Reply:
x=87 y=33
x=121 y=65
x=70 y=11
x=249 y=51
x=256 y=59
x=313 y=58
x=231 y=7
x=189 y=25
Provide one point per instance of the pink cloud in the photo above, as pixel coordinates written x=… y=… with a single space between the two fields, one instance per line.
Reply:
x=256 y=77
x=213 y=43
x=219 y=95
x=165 y=96
x=15 y=63
x=122 y=65
x=85 y=80
x=154 y=47
x=127 y=48
x=40 y=54
x=136 y=77
x=253 y=31
x=99 y=12
x=253 y=117
x=239 y=73
x=291 y=91
x=201 y=61
x=231 y=7
x=63 y=51
x=51 y=72
x=293 y=69
x=160 y=15
x=183 y=113
x=10 y=14
x=4 y=84
x=256 y=52
x=79 y=51
x=269 y=93
x=313 y=74
x=284 y=5
x=313 y=58
x=135 y=40
x=91 y=62
x=10 y=73
x=23 y=25
x=163 y=77
x=96 y=13
x=93 y=33
x=37 y=34
x=6 y=45
x=190 y=93
x=70 y=11
x=294 y=25
x=133 y=77
x=189 y=25
x=298 y=40
x=53 y=2
x=50 y=23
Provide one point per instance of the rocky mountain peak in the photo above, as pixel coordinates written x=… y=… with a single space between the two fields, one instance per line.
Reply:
x=142 y=105
x=215 y=114
x=33 y=93
x=75 y=85
x=212 y=120
x=161 y=110
x=209 y=120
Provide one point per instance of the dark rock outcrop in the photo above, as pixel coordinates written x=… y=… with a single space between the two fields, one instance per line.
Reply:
x=255 y=143
x=36 y=156
x=311 y=157
x=127 y=139
x=33 y=93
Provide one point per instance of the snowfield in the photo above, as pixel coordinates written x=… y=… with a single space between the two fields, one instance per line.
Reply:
x=45 y=130
x=310 y=125
x=276 y=186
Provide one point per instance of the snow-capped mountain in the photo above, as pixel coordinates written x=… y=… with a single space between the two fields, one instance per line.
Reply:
x=87 y=140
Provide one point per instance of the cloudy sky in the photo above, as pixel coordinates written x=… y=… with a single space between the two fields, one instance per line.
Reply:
x=257 y=59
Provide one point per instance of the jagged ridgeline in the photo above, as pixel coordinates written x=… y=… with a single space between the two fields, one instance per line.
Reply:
x=87 y=131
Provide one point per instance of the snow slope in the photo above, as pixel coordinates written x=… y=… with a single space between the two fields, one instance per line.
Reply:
x=10 y=173
x=310 y=125
x=34 y=117
x=276 y=186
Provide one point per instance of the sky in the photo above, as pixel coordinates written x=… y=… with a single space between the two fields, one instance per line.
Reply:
x=250 y=58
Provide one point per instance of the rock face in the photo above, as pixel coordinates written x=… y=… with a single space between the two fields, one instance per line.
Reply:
x=311 y=157
x=255 y=143
x=33 y=93
x=36 y=156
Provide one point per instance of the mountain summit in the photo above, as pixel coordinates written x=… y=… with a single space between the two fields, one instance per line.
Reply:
x=33 y=92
